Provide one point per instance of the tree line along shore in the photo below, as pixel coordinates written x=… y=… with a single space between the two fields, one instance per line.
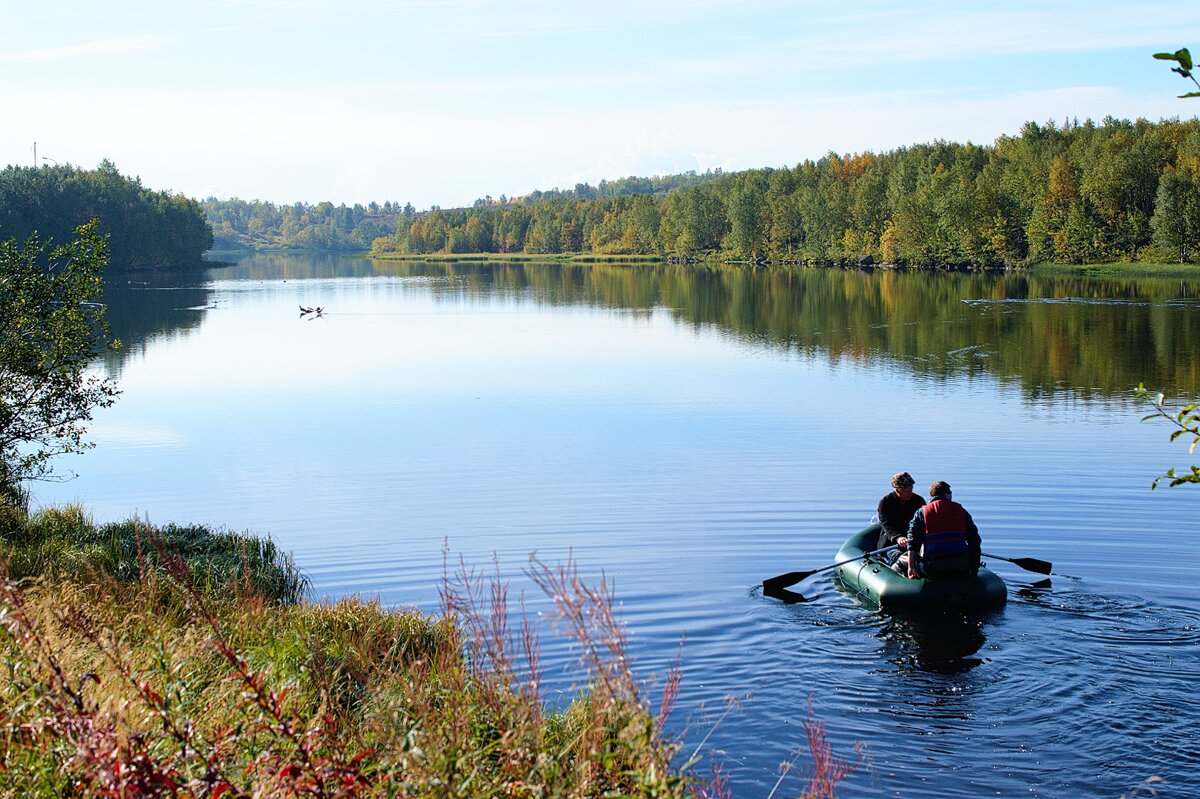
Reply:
x=1073 y=193
x=1076 y=193
x=144 y=228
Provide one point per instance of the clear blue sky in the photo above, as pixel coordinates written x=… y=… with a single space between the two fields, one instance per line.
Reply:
x=444 y=102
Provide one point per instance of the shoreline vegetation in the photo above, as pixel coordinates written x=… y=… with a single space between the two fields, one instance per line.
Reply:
x=186 y=662
x=1072 y=193
x=1176 y=271
x=1188 y=271
x=1076 y=193
x=1126 y=269
x=143 y=228
x=571 y=258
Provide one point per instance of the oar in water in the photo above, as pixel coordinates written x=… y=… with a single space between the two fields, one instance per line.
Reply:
x=1028 y=564
x=777 y=586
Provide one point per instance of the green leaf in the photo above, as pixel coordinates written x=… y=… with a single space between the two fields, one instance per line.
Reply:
x=1166 y=56
x=1184 y=57
x=1189 y=94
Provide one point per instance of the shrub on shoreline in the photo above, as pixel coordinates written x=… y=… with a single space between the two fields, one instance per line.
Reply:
x=141 y=663
x=185 y=662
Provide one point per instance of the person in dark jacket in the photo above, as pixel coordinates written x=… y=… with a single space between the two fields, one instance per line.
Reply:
x=942 y=537
x=895 y=511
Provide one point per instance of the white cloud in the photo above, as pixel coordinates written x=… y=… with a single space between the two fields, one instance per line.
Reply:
x=440 y=113
x=874 y=39
x=122 y=46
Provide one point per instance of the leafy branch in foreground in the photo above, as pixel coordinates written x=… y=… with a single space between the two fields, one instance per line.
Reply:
x=1184 y=59
x=1187 y=420
x=51 y=327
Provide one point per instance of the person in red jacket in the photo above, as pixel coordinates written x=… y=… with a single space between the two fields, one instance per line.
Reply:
x=942 y=537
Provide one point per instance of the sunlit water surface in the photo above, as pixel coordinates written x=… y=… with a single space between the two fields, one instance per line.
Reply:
x=688 y=434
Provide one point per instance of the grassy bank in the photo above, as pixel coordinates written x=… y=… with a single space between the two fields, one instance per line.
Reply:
x=181 y=661
x=1119 y=270
x=1113 y=270
x=184 y=662
x=575 y=258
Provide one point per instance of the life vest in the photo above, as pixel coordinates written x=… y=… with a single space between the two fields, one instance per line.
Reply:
x=944 y=548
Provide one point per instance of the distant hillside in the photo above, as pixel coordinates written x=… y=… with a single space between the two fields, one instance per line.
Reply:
x=146 y=228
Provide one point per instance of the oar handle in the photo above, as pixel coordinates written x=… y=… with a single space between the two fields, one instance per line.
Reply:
x=863 y=556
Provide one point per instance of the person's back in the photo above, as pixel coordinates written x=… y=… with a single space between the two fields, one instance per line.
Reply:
x=942 y=537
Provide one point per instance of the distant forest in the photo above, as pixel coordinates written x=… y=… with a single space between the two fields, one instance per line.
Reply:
x=1070 y=193
x=260 y=225
x=145 y=228
x=1076 y=193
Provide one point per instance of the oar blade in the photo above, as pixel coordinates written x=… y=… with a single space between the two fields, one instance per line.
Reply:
x=1034 y=565
x=784 y=595
x=775 y=586
x=784 y=580
x=1028 y=564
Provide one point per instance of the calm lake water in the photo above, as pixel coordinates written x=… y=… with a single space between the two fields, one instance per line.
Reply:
x=688 y=432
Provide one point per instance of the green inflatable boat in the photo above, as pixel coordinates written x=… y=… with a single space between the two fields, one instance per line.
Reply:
x=877 y=585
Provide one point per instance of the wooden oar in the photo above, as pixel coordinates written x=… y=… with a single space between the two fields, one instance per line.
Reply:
x=1028 y=564
x=777 y=586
